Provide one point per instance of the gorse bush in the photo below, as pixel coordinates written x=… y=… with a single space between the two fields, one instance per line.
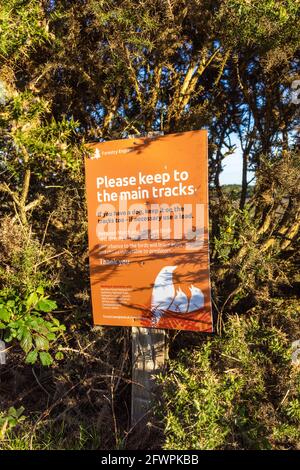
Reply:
x=234 y=392
x=239 y=390
x=26 y=264
x=25 y=310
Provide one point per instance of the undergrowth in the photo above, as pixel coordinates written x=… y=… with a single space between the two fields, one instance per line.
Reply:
x=237 y=391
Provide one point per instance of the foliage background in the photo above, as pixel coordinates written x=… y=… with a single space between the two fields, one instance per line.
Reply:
x=72 y=72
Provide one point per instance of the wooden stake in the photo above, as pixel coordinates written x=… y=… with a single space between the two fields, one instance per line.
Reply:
x=148 y=358
x=2 y=352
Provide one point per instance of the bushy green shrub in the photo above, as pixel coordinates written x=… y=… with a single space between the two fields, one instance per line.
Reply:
x=10 y=419
x=25 y=309
x=24 y=320
x=238 y=391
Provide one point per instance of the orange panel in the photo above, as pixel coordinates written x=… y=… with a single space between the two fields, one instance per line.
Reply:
x=148 y=232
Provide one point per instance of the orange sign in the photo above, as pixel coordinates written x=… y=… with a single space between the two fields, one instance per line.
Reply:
x=148 y=232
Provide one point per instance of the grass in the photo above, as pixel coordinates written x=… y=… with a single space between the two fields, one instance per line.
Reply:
x=52 y=436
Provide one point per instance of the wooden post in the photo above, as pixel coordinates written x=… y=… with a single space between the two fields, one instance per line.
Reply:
x=148 y=357
x=2 y=352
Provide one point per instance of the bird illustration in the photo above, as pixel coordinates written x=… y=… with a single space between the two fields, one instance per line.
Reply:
x=164 y=298
x=180 y=303
x=163 y=293
x=196 y=299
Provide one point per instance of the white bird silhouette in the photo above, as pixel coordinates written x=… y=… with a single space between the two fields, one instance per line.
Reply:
x=196 y=300
x=180 y=303
x=163 y=292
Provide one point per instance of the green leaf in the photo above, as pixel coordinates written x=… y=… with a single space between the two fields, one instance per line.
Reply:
x=20 y=411
x=56 y=322
x=26 y=341
x=40 y=290
x=31 y=357
x=59 y=356
x=45 y=358
x=20 y=332
x=46 y=305
x=32 y=300
x=13 y=412
x=41 y=343
x=4 y=313
x=51 y=336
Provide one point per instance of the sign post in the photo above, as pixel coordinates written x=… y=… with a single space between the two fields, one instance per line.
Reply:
x=149 y=354
x=148 y=244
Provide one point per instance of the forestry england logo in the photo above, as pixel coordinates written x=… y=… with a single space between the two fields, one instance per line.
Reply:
x=102 y=153
x=97 y=155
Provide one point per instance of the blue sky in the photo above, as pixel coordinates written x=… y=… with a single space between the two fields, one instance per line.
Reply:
x=233 y=166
